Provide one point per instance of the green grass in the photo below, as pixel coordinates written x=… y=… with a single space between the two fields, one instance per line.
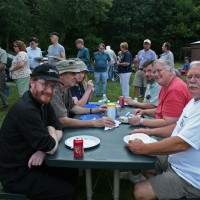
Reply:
x=102 y=189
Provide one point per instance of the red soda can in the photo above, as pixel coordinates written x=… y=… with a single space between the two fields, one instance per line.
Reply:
x=78 y=148
x=121 y=101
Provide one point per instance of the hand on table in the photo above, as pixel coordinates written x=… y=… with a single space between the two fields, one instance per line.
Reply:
x=103 y=122
x=129 y=101
x=141 y=130
x=102 y=109
x=36 y=159
x=135 y=120
x=135 y=146
x=139 y=112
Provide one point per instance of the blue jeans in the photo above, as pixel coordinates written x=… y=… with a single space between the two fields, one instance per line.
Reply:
x=100 y=76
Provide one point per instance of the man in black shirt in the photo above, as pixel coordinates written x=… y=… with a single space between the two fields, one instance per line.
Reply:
x=29 y=132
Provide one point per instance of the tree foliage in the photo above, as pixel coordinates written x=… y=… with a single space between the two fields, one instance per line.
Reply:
x=109 y=21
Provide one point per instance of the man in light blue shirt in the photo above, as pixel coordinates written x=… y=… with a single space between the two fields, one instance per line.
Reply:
x=34 y=53
x=152 y=91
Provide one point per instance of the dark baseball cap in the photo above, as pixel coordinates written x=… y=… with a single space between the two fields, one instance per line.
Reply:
x=33 y=39
x=47 y=72
x=54 y=33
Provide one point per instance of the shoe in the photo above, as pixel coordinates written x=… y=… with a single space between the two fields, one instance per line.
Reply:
x=133 y=178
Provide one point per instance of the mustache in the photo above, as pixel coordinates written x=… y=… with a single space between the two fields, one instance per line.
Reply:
x=193 y=85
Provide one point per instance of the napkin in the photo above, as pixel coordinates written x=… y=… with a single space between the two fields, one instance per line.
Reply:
x=117 y=123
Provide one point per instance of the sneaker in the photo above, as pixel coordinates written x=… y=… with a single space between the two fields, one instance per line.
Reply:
x=133 y=178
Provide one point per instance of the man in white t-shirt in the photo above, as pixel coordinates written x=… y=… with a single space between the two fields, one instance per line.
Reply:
x=177 y=175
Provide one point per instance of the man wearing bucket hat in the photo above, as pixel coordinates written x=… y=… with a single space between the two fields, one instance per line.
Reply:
x=29 y=132
x=82 y=90
x=62 y=101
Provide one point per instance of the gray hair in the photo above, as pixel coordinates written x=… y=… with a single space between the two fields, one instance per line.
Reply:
x=194 y=64
x=166 y=64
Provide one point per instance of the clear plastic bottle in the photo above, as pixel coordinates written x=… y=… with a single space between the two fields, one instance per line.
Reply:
x=104 y=99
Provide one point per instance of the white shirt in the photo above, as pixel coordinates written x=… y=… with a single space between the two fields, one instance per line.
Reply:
x=187 y=163
x=32 y=54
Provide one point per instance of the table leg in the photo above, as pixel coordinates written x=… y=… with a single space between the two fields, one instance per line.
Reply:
x=88 y=176
x=116 y=188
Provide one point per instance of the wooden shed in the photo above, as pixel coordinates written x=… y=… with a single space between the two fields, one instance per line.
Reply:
x=195 y=51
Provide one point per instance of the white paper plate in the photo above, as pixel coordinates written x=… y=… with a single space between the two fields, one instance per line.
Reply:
x=88 y=141
x=126 y=139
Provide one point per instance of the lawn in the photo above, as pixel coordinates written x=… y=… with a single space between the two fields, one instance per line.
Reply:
x=103 y=187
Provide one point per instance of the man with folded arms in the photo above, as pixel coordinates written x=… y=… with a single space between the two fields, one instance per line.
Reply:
x=178 y=174
x=29 y=132
x=173 y=97
x=62 y=101
x=152 y=91
x=56 y=52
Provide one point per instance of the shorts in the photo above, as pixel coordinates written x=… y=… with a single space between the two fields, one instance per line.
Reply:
x=139 y=79
x=168 y=185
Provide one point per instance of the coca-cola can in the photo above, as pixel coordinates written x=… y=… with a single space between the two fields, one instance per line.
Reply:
x=121 y=101
x=78 y=148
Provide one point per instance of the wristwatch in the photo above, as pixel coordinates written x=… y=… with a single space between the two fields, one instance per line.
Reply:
x=141 y=121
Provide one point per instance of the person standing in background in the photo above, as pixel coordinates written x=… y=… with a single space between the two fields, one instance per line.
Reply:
x=34 y=53
x=167 y=54
x=113 y=61
x=142 y=56
x=56 y=52
x=101 y=59
x=20 y=67
x=124 y=68
x=3 y=62
x=83 y=53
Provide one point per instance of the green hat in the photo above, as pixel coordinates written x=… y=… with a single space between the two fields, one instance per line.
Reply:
x=65 y=66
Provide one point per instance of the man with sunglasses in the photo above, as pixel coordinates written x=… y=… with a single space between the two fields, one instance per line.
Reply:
x=152 y=91
x=29 y=132
x=34 y=53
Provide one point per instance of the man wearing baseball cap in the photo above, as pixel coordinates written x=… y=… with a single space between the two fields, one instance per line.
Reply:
x=34 y=53
x=62 y=101
x=142 y=56
x=29 y=132
x=56 y=52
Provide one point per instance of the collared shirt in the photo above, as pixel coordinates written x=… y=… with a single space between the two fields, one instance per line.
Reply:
x=24 y=131
x=83 y=54
x=143 y=56
x=152 y=93
x=3 y=56
x=168 y=56
x=101 y=61
x=32 y=54
x=62 y=102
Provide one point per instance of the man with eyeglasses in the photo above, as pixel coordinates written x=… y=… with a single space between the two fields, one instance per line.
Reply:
x=29 y=132
x=101 y=60
x=34 y=53
x=177 y=170
x=63 y=103
x=152 y=91
x=173 y=97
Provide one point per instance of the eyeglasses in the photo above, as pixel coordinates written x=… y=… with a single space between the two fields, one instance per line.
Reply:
x=32 y=43
x=196 y=77
x=157 y=71
x=48 y=85
x=15 y=46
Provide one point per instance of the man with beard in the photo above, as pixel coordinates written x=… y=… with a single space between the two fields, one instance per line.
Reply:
x=29 y=132
x=152 y=91
x=177 y=171
x=63 y=103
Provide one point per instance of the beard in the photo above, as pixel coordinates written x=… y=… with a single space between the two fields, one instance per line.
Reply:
x=43 y=97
